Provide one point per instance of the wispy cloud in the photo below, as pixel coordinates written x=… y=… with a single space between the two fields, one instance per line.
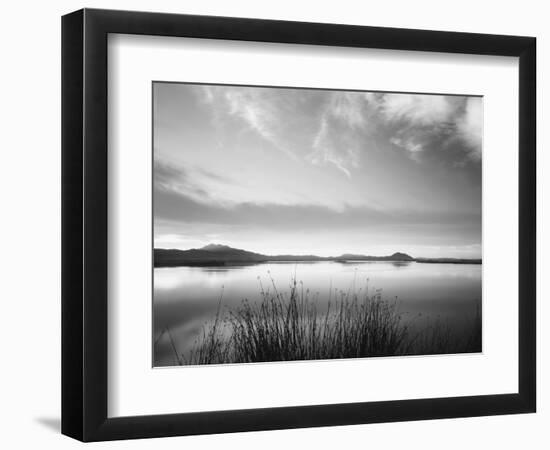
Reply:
x=169 y=177
x=419 y=124
x=349 y=108
x=416 y=109
x=330 y=146
x=336 y=127
x=430 y=123
x=470 y=126
x=341 y=133
x=196 y=182
x=257 y=108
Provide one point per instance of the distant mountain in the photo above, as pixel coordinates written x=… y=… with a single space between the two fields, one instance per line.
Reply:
x=211 y=254
x=401 y=257
x=218 y=248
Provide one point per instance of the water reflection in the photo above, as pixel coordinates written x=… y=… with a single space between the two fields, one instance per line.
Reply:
x=186 y=297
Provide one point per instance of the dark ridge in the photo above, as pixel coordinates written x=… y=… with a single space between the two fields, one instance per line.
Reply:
x=219 y=255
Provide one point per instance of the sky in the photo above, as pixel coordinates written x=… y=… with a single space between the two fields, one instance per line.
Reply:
x=310 y=171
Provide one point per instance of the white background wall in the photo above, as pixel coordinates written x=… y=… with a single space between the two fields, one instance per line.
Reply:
x=30 y=222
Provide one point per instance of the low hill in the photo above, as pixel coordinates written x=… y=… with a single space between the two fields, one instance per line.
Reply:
x=395 y=257
x=209 y=255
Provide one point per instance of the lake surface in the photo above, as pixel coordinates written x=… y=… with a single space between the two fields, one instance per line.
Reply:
x=186 y=297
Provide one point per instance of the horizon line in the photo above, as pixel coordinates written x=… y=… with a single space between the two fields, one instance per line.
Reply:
x=317 y=256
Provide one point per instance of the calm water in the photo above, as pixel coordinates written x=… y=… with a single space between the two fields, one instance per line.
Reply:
x=186 y=297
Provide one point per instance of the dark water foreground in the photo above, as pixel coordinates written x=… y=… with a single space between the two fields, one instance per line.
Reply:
x=437 y=304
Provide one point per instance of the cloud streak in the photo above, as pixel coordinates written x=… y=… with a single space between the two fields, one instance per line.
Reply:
x=195 y=182
x=173 y=206
x=259 y=110
x=341 y=135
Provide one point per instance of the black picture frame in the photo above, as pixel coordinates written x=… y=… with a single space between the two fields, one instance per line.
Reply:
x=84 y=224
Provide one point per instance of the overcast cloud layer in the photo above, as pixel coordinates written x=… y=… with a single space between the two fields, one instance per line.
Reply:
x=316 y=171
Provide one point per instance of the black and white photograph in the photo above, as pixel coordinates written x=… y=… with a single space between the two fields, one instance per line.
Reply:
x=275 y=225
x=310 y=224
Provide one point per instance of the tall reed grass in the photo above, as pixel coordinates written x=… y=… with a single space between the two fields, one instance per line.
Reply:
x=287 y=326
